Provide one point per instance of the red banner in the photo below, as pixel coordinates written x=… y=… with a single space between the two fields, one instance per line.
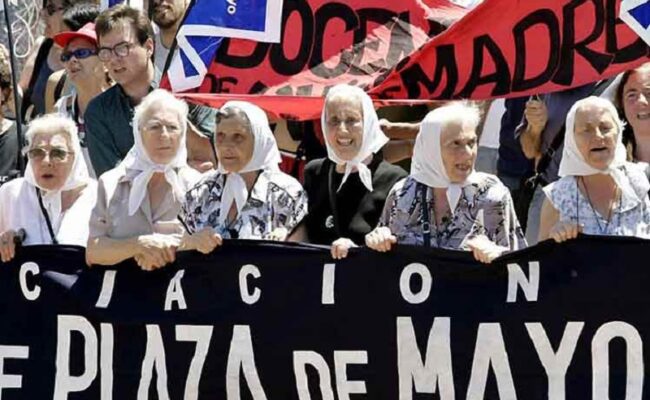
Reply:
x=324 y=43
x=512 y=48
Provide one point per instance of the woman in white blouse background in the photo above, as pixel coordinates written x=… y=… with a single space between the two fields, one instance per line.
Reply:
x=53 y=202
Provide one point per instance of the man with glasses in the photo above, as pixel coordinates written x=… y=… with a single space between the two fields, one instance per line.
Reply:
x=125 y=39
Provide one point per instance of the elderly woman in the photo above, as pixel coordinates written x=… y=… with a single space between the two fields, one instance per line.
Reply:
x=599 y=193
x=444 y=202
x=52 y=203
x=86 y=72
x=138 y=202
x=633 y=100
x=247 y=197
x=347 y=190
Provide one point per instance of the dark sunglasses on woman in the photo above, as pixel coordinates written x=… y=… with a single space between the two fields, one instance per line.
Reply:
x=79 y=54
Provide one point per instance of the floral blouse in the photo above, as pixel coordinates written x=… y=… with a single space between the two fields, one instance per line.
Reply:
x=484 y=208
x=630 y=216
x=276 y=200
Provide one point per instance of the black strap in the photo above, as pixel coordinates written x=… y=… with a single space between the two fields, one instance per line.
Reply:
x=46 y=216
x=426 y=223
x=41 y=57
x=59 y=87
x=331 y=191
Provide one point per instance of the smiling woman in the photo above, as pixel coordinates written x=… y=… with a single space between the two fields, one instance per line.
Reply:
x=52 y=201
x=599 y=192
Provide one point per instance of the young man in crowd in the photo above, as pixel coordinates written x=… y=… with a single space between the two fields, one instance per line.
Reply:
x=126 y=46
x=167 y=15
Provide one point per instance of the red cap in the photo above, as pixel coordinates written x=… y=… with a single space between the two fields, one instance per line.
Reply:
x=86 y=32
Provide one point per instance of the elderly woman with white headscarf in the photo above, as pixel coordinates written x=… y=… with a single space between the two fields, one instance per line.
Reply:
x=599 y=193
x=52 y=203
x=347 y=190
x=138 y=202
x=247 y=197
x=444 y=202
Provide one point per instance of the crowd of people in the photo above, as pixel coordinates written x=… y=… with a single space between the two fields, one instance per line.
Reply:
x=128 y=170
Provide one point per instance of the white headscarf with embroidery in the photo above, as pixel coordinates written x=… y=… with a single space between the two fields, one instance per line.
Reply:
x=373 y=137
x=426 y=165
x=79 y=176
x=137 y=159
x=266 y=156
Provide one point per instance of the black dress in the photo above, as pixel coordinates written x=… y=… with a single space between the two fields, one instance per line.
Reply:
x=355 y=211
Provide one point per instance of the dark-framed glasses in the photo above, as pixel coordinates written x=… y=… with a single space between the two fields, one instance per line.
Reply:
x=79 y=54
x=56 y=154
x=120 y=50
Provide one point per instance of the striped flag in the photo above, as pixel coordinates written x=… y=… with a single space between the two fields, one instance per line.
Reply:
x=207 y=22
x=104 y=4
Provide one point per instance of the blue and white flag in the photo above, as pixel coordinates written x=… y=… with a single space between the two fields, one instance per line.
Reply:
x=206 y=24
x=636 y=14
x=104 y=4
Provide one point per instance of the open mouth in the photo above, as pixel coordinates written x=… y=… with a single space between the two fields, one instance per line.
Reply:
x=463 y=167
x=599 y=149
x=643 y=116
x=344 y=142
x=47 y=176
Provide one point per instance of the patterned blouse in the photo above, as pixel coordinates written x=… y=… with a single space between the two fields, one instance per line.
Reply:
x=276 y=200
x=484 y=208
x=630 y=216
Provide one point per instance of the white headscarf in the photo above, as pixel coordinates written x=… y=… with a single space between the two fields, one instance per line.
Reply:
x=139 y=164
x=426 y=165
x=78 y=174
x=266 y=156
x=574 y=164
x=373 y=137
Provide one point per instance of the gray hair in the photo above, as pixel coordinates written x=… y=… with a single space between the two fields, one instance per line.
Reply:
x=467 y=113
x=51 y=124
x=168 y=100
x=600 y=103
x=232 y=112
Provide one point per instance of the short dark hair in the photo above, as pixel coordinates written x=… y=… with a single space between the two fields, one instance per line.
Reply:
x=80 y=14
x=109 y=19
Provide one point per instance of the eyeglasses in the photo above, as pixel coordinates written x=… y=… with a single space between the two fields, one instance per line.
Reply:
x=79 y=54
x=157 y=127
x=120 y=50
x=52 y=9
x=56 y=154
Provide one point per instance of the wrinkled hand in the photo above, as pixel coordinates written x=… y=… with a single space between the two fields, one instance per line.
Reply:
x=203 y=241
x=278 y=235
x=7 y=246
x=563 y=231
x=156 y=250
x=536 y=115
x=484 y=249
x=340 y=248
x=381 y=239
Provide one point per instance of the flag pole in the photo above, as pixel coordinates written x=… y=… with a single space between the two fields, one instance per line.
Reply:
x=14 y=80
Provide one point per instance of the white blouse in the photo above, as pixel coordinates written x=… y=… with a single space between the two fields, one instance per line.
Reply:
x=19 y=208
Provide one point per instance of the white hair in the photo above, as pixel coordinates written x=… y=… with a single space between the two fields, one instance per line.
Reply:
x=597 y=102
x=52 y=124
x=165 y=99
x=463 y=112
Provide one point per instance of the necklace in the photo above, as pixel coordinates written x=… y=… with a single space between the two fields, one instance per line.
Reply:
x=609 y=211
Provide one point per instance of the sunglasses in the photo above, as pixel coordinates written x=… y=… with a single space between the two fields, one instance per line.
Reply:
x=79 y=54
x=52 y=9
x=56 y=154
